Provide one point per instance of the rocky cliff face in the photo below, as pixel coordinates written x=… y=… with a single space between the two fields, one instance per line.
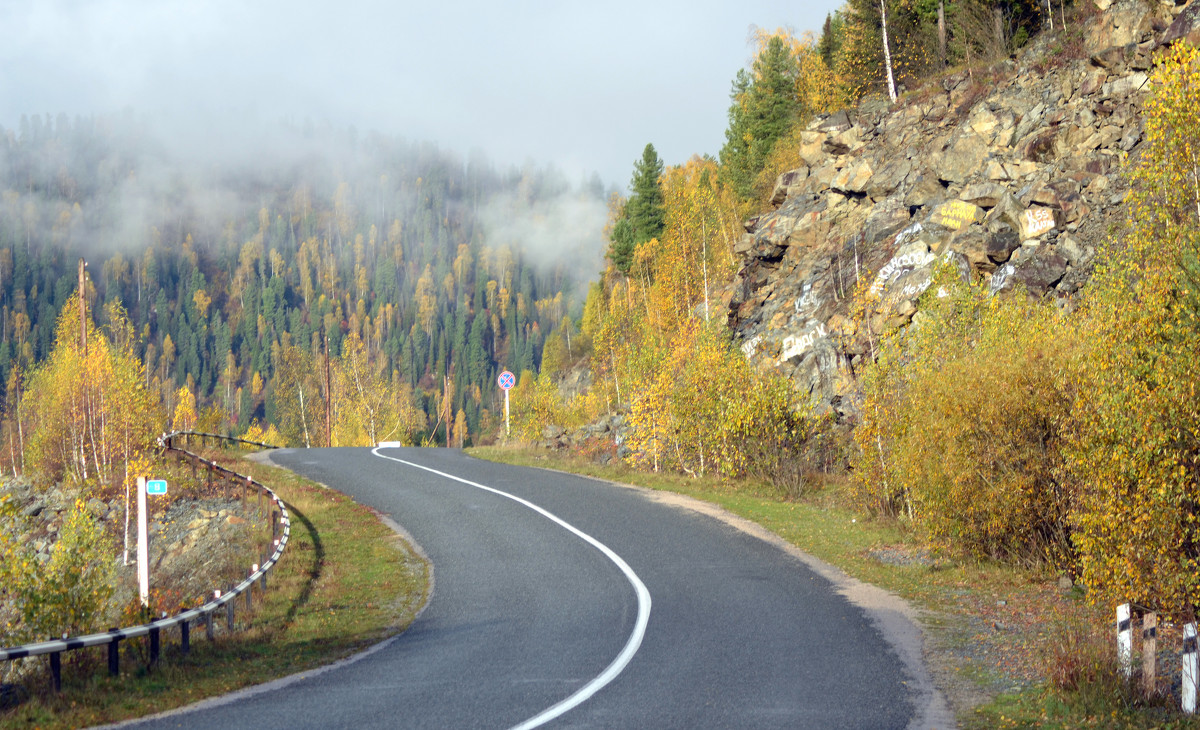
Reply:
x=1014 y=174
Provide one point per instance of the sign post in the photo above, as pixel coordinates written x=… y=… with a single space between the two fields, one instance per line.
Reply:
x=143 y=552
x=506 y=381
x=144 y=487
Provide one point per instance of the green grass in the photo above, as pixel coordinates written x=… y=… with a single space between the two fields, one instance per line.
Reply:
x=345 y=582
x=990 y=628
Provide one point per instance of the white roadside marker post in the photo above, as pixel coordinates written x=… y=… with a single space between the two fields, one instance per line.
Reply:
x=1190 y=670
x=1125 y=640
x=1149 y=653
x=143 y=552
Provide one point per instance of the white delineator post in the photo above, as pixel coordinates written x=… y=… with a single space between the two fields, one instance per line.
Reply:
x=1149 y=653
x=143 y=552
x=1125 y=640
x=1190 y=670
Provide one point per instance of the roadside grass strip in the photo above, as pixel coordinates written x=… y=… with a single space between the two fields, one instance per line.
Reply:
x=346 y=582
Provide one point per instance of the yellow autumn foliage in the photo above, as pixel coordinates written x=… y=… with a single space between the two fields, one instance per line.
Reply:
x=964 y=422
x=1002 y=427
x=1137 y=451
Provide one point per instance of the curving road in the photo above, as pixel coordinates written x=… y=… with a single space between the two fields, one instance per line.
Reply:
x=531 y=622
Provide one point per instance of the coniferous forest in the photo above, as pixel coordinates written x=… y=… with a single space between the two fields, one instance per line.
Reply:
x=419 y=274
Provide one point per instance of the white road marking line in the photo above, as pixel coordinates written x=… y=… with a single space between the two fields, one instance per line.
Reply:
x=643 y=598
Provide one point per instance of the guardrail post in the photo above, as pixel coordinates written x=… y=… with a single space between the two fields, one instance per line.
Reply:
x=1125 y=640
x=262 y=580
x=274 y=524
x=250 y=593
x=208 y=618
x=114 y=655
x=56 y=670
x=1149 y=651
x=229 y=615
x=153 y=647
x=185 y=639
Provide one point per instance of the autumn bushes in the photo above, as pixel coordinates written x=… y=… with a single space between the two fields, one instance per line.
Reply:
x=706 y=412
x=964 y=424
x=1012 y=430
x=1009 y=429
x=67 y=594
x=660 y=352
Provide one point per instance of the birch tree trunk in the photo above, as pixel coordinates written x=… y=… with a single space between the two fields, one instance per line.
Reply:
x=942 y=32
x=887 y=53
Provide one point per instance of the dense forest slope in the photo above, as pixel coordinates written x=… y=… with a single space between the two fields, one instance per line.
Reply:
x=236 y=262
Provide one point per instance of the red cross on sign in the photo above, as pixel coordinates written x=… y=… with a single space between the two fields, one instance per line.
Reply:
x=506 y=380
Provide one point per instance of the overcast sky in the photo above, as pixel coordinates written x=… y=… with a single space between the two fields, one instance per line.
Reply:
x=583 y=86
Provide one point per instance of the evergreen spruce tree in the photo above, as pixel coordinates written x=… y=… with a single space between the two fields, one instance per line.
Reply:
x=764 y=107
x=645 y=209
x=827 y=45
x=644 y=215
x=620 y=249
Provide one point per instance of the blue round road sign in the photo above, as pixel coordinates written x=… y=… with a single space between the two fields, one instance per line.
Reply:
x=506 y=380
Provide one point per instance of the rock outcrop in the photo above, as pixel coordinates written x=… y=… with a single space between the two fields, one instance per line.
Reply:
x=1012 y=174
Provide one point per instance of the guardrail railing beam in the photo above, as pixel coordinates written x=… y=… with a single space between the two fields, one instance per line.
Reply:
x=280 y=531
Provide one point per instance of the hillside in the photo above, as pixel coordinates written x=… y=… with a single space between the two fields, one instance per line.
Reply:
x=237 y=255
x=1015 y=173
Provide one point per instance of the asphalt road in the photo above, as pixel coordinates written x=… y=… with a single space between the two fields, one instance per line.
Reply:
x=526 y=614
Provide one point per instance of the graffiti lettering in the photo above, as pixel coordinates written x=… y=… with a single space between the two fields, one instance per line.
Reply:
x=750 y=346
x=808 y=301
x=793 y=345
x=957 y=214
x=1037 y=221
x=897 y=266
x=915 y=290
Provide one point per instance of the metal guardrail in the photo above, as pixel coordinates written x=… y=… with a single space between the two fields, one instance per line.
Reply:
x=280 y=531
x=166 y=439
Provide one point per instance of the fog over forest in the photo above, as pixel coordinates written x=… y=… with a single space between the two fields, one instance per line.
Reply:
x=228 y=248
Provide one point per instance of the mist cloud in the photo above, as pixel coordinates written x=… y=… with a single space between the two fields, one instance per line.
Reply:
x=564 y=232
x=582 y=86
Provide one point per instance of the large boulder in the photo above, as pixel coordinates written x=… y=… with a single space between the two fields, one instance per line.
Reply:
x=787 y=184
x=853 y=178
x=1042 y=271
x=1185 y=27
x=963 y=157
x=1123 y=22
x=956 y=215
